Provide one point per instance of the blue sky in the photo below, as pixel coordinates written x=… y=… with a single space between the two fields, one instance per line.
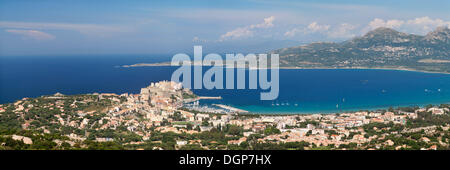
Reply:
x=66 y=27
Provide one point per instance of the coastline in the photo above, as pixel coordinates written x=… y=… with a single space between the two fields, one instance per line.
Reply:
x=374 y=108
x=399 y=68
x=277 y=113
x=366 y=68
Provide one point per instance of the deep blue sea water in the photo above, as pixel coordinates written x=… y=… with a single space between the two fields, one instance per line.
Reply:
x=301 y=91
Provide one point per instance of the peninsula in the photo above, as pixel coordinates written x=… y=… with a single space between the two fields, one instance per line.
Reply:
x=382 y=48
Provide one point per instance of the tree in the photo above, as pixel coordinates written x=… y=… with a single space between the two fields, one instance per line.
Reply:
x=234 y=130
x=271 y=130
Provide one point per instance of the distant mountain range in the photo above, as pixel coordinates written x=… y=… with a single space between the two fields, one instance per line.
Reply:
x=380 y=48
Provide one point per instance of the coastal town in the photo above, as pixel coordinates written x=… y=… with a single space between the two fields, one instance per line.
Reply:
x=165 y=115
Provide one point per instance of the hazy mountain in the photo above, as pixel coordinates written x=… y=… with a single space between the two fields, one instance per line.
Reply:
x=382 y=47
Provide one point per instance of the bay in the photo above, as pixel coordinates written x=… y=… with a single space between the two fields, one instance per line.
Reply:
x=301 y=90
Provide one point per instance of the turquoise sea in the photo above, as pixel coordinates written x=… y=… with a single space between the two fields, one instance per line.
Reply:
x=301 y=91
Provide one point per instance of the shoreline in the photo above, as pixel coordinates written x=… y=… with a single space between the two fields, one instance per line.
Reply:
x=400 y=68
x=365 y=68
x=343 y=111
x=247 y=112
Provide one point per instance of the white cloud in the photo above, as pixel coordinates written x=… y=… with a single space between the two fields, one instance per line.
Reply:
x=429 y=21
x=314 y=27
x=421 y=25
x=92 y=29
x=248 y=30
x=292 y=32
x=344 y=30
x=311 y=28
x=388 y=24
x=32 y=34
x=237 y=33
x=268 y=22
